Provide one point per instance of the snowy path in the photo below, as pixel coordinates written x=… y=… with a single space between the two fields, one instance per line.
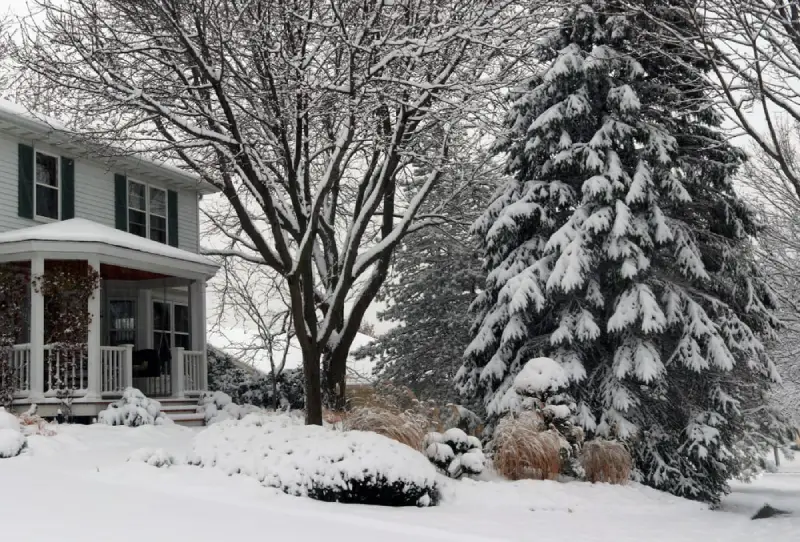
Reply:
x=77 y=486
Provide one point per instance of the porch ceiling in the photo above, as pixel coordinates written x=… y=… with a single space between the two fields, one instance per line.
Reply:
x=78 y=238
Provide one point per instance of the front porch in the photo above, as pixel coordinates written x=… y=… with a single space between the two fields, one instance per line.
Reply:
x=146 y=327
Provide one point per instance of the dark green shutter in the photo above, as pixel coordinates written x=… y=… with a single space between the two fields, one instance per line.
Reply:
x=121 y=202
x=25 y=196
x=67 y=188
x=172 y=218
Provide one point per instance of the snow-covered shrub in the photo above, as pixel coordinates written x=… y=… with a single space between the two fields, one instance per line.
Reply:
x=317 y=462
x=452 y=415
x=455 y=453
x=155 y=457
x=405 y=427
x=33 y=424
x=606 y=461
x=522 y=449
x=244 y=387
x=12 y=440
x=218 y=406
x=133 y=410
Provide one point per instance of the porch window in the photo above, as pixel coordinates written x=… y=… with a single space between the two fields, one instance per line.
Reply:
x=147 y=211
x=170 y=325
x=47 y=186
x=122 y=322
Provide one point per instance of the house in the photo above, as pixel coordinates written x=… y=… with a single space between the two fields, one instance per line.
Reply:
x=134 y=221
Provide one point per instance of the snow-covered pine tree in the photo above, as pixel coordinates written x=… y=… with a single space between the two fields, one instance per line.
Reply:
x=620 y=250
x=434 y=278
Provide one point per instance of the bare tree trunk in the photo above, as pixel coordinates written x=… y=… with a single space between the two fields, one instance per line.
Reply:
x=777 y=456
x=313 y=388
x=336 y=379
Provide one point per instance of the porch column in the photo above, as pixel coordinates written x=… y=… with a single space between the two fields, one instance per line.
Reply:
x=144 y=319
x=37 y=332
x=197 y=315
x=93 y=340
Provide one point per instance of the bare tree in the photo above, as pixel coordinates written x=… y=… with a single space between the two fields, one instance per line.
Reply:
x=254 y=302
x=307 y=115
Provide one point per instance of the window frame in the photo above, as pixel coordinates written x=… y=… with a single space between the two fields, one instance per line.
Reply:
x=147 y=211
x=172 y=323
x=36 y=216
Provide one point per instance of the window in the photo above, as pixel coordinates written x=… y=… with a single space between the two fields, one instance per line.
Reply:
x=47 y=186
x=147 y=211
x=170 y=325
x=122 y=322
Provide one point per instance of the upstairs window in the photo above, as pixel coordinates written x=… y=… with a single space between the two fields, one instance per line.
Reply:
x=46 y=191
x=147 y=211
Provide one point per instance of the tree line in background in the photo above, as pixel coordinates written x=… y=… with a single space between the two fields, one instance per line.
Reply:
x=515 y=180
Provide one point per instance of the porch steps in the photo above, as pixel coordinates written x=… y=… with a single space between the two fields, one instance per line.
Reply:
x=183 y=412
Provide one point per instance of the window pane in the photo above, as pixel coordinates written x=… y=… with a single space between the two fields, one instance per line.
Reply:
x=182 y=340
x=161 y=320
x=182 y=318
x=158 y=229
x=46 y=170
x=158 y=337
x=137 y=223
x=136 y=196
x=46 y=201
x=158 y=202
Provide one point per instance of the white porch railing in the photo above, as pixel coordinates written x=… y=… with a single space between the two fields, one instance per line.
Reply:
x=193 y=371
x=116 y=368
x=65 y=370
x=19 y=357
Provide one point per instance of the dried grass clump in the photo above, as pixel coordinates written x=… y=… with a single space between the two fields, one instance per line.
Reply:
x=524 y=451
x=606 y=461
x=403 y=427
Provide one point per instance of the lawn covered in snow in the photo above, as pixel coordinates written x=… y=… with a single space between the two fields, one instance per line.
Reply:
x=79 y=486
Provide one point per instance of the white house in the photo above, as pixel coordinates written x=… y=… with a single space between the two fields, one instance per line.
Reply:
x=134 y=221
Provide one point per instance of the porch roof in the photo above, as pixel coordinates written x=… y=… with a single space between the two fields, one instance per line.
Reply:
x=81 y=236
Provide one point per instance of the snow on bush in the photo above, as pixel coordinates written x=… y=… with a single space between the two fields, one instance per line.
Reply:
x=317 y=462
x=155 y=457
x=455 y=453
x=12 y=441
x=133 y=410
x=540 y=375
x=218 y=406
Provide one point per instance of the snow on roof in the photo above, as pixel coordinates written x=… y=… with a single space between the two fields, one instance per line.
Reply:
x=20 y=115
x=80 y=230
x=359 y=371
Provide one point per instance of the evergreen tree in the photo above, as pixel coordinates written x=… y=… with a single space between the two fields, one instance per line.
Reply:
x=435 y=276
x=621 y=250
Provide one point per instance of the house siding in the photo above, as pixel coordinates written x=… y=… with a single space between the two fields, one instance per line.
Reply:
x=94 y=194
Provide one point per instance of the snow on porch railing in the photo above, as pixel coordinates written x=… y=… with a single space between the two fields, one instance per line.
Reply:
x=116 y=367
x=19 y=359
x=66 y=370
x=193 y=371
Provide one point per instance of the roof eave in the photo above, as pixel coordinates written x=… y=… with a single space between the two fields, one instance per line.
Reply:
x=64 y=138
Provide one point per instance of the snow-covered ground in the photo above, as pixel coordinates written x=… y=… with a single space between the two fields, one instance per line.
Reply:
x=78 y=486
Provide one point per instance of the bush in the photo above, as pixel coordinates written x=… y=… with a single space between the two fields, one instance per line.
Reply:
x=155 y=457
x=523 y=450
x=404 y=427
x=606 y=461
x=218 y=406
x=246 y=388
x=317 y=462
x=12 y=440
x=455 y=453
x=133 y=410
